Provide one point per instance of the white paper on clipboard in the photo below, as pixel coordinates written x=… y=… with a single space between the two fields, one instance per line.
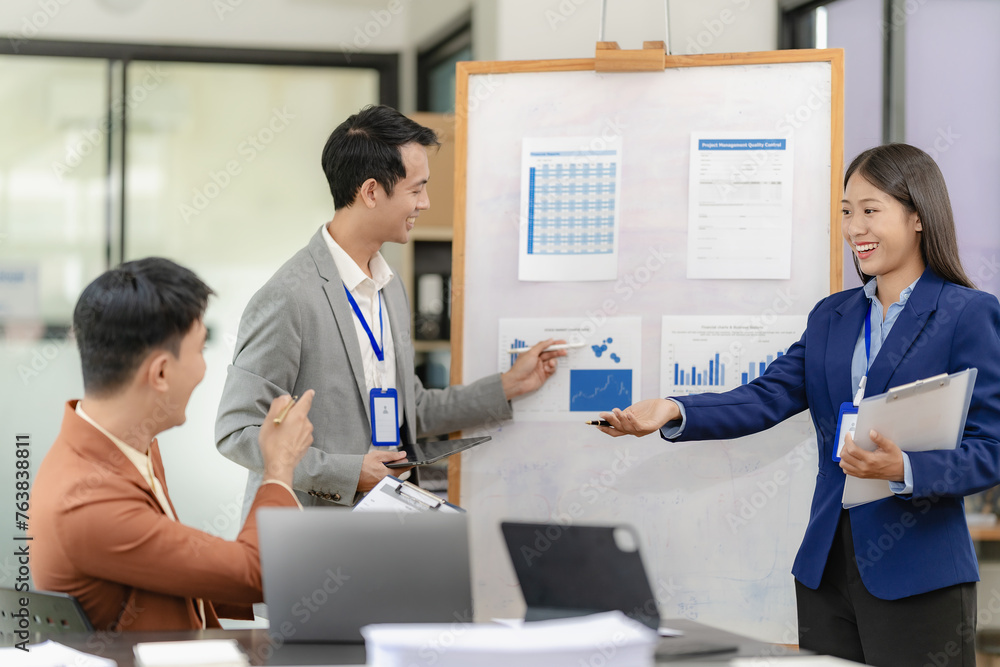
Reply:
x=394 y=495
x=920 y=416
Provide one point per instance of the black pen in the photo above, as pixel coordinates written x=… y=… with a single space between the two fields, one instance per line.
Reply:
x=598 y=422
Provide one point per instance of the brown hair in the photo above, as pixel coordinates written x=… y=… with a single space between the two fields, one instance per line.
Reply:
x=912 y=178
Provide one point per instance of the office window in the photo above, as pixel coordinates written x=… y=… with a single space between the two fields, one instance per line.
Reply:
x=223 y=176
x=210 y=157
x=436 y=69
x=53 y=164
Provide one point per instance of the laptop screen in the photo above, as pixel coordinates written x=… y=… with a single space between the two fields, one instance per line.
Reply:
x=573 y=570
x=328 y=572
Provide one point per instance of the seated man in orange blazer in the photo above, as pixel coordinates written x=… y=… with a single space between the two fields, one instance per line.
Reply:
x=104 y=528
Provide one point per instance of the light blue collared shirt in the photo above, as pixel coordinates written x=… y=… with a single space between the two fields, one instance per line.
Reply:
x=880 y=331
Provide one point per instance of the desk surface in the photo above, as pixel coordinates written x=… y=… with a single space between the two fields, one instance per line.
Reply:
x=985 y=533
x=265 y=651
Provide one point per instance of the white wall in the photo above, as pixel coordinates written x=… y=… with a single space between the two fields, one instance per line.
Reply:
x=351 y=26
x=503 y=29
x=529 y=29
x=299 y=24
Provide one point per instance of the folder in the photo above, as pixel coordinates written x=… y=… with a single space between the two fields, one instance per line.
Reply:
x=395 y=495
x=921 y=416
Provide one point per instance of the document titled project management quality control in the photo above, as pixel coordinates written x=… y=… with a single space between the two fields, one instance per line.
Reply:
x=740 y=206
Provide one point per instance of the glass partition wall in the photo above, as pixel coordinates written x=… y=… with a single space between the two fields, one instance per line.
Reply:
x=215 y=165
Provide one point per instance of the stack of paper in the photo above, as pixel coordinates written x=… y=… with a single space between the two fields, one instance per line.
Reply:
x=793 y=661
x=50 y=654
x=611 y=639
x=200 y=653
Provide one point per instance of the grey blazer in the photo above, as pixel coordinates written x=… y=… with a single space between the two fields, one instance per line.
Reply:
x=297 y=333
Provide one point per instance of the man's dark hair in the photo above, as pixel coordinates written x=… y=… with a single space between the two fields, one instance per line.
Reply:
x=366 y=145
x=129 y=311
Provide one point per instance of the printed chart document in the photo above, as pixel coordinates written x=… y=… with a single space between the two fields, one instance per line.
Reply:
x=570 y=189
x=921 y=416
x=601 y=374
x=721 y=352
x=740 y=206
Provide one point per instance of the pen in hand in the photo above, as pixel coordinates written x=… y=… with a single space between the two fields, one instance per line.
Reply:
x=550 y=348
x=598 y=422
x=285 y=410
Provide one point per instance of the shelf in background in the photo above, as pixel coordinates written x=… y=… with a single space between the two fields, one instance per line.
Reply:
x=429 y=233
x=431 y=345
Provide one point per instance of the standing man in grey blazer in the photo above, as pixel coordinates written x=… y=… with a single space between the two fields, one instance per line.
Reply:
x=334 y=318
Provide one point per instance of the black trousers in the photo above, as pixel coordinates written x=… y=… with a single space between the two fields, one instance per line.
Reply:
x=841 y=618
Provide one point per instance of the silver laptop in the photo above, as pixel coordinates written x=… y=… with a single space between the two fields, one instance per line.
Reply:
x=327 y=572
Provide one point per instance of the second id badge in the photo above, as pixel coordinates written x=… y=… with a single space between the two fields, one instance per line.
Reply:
x=385 y=417
x=846 y=422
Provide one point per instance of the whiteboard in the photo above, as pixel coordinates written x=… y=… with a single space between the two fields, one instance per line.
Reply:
x=719 y=522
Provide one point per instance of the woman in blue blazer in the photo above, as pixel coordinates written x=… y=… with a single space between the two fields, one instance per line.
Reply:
x=891 y=582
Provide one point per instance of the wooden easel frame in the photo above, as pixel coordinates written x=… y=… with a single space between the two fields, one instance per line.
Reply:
x=610 y=58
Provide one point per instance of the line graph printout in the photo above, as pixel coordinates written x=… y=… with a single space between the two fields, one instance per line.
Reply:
x=603 y=373
x=740 y=206
x=570 y=190
x=722 y=352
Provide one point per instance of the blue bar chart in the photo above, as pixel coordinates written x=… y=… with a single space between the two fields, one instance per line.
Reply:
x=517 y=342
x=719 y=353
x=599 y=373
x=712 y=376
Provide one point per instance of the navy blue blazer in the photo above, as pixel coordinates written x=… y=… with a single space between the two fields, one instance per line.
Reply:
x=904 y=545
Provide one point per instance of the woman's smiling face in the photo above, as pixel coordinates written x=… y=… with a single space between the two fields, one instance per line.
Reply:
x=882 y=233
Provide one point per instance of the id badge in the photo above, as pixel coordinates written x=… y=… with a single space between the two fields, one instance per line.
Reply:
x=846 y=422
x=385 y=417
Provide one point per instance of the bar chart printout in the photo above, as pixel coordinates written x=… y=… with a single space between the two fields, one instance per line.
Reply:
x=602 y=374
x=719 y=353
x=570 y=189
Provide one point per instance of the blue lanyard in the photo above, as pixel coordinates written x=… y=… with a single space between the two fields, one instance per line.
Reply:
x=868 y=357
x=868 y=337
x=379 y=354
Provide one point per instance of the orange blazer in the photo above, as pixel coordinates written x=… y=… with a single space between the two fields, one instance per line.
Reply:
x=101 y=536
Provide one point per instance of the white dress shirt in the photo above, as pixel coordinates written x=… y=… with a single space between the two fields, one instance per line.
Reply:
x=365 y=291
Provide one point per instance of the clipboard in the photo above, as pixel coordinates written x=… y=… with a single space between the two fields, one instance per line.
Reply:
x=394 y=495
x=921 y=416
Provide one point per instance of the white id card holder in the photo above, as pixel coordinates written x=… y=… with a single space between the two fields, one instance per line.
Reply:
x=846 y=422
x=385 y=417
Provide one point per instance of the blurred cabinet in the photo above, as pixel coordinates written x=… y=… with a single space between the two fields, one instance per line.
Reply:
x=426 y=262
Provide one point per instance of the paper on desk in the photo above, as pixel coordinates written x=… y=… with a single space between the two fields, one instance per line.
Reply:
x=792 y=661
x=204 y=652
x=51 y=654
x=662 y=631
x=613 y=637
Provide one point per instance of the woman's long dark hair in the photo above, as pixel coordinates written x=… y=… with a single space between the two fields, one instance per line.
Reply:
x=912 y=178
